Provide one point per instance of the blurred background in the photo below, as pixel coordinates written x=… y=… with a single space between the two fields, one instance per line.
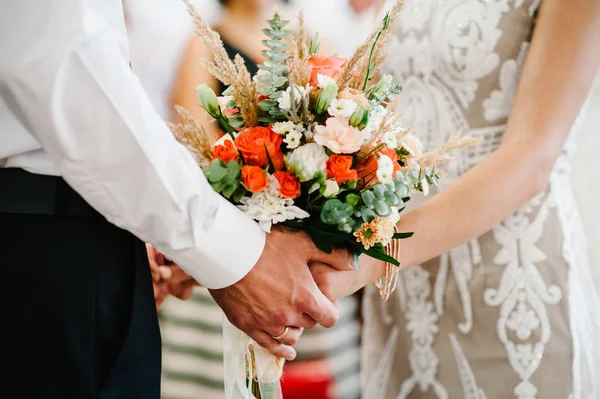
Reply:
x=166 y=61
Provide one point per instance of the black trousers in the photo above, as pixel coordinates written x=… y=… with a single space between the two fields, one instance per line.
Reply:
x=78 y=318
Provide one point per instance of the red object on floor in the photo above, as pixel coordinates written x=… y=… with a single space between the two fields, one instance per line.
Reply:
x=307 y=380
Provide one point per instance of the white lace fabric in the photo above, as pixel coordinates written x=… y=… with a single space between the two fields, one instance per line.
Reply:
x=512 y=313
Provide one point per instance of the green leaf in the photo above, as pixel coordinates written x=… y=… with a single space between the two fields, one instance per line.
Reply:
x=228 y=190
x=239 y=193
x=367 y=214
x=315 y=44
x=382 y=208
x=378 y=252
x=237 y=123
x=275 y=45
x=352 y=199
x=276 y=34
x=268 y=120
x=401 y=236
x=368 y=198
x=217 y=171
x=271 y=166
x=267 y=104
x=266 y=90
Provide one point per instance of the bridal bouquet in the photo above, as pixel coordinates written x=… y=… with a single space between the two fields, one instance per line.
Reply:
x=307 y=143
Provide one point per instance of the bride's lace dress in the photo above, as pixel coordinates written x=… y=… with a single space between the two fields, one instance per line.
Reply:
x=512 y=313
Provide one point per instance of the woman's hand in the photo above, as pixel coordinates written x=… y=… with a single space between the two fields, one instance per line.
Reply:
x=336 y=284
x=168 y=278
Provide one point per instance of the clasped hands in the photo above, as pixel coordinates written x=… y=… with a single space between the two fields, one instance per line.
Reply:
x=293 y=286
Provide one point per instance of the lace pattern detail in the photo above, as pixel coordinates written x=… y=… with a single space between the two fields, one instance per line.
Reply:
x=445 y=53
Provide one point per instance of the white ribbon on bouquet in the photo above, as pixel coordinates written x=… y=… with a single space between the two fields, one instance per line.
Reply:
x=249 y=367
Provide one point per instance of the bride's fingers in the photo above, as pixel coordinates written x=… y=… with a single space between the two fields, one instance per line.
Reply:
x=272 y=345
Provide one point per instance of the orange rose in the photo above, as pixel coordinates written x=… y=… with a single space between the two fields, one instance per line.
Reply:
x=225 y=152
x=254 y=178
x=368 y=167
x=339 y=168
x=325 y=65
x=289 y=186
x=252 y=144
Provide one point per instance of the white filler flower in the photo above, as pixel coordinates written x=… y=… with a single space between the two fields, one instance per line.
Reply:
x=269 y=208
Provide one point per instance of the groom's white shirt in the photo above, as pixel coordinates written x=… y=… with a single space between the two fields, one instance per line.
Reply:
x=70 y=106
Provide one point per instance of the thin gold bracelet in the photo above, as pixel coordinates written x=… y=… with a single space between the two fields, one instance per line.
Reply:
x=387 y=284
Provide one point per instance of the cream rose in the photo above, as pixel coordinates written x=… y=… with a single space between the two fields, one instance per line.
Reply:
x=338 y=136
x=305 y=161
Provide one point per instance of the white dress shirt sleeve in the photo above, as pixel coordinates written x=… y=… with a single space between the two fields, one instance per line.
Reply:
x=65 y=74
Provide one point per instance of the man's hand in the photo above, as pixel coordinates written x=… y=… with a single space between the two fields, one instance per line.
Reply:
x=280 y=292
x=168 y=278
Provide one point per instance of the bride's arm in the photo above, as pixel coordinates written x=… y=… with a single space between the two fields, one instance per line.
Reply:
x=559 y=70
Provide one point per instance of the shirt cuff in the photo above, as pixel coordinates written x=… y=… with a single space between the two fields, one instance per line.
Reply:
x=226 y=254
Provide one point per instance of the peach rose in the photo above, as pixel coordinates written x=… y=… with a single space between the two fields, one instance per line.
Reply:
x=338 y=136
x=325 y=65
x=252 y=144
x=254 y=178
x=289 y=186
x=225 y=152
x=339 y=168
x=368 y=167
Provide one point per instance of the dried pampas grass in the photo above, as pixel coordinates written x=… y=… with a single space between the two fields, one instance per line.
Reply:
x=299 y=45
x=441 y=156
x=355 y=73
x=191 y=134
x=230 y=73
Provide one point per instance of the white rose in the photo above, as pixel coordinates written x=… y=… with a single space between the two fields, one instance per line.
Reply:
x=283 y=127
x=305 y=161
x=323 y=81
x=385 y=169
x=342 y=107
x=331 y=188
x=292 y=139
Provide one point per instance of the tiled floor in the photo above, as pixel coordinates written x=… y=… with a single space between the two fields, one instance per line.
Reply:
x=586 y=179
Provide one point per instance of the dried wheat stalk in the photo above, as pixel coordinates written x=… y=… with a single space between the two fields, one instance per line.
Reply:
x=245 y=93
x=190 y=133
x=230 y=73
x=441 y=156
x=359 y=61
x=299 y=54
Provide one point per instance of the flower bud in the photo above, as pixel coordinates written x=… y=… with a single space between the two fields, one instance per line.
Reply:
x=325 y=98
x=360 y=117
x=209 y=101
x=331 y=188
x=382 y=88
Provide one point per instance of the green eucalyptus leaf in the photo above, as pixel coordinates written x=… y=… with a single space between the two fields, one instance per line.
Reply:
x=392 y=199
x=379 y=191
x=368 y=198
x=217 y=171
x=266 y=90
x=382 y=208
x=367 y=214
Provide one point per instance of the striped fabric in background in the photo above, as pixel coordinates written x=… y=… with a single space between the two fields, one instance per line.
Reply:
x=193 y=356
